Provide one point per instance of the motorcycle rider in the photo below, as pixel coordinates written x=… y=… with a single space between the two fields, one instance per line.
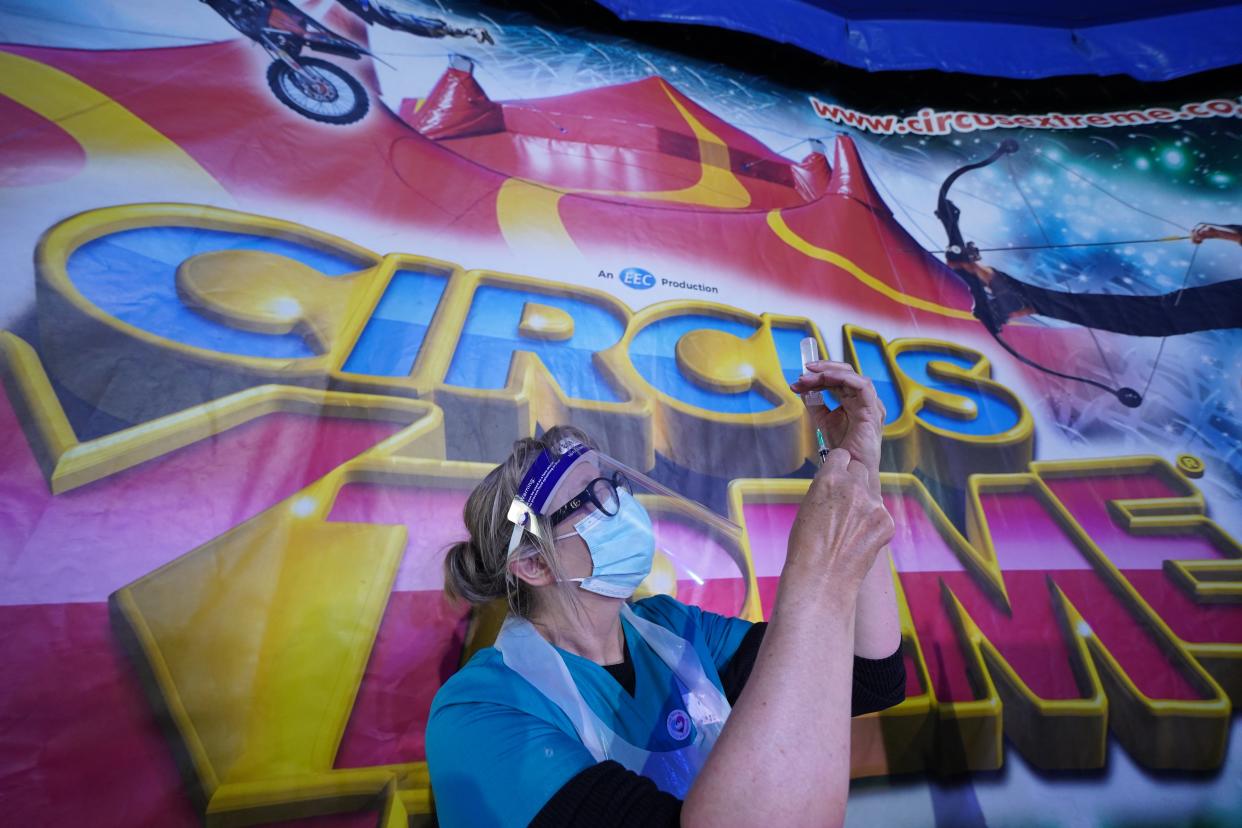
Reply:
x=376 y=12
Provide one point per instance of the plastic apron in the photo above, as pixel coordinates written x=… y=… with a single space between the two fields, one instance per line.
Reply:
x=529 y=655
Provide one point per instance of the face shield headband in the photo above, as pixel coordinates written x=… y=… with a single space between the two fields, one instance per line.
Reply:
x=537 y=487
x=541 y=482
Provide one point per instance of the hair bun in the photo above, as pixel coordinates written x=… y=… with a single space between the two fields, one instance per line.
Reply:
x=465 y=576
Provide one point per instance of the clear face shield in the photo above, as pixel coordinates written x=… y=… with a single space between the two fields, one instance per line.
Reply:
x=699 y=556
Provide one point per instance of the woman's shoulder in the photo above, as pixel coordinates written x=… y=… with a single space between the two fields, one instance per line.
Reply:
x=668 y=612
x=496 y=750
x=484 y=678
x=485 y=698
x=486 y=687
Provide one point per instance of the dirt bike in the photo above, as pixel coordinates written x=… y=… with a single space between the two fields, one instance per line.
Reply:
x=314 y=88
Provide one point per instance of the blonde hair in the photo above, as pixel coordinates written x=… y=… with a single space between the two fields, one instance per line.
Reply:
x=477 y=570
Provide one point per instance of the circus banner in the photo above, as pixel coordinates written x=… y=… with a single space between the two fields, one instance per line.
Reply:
x=285 y=280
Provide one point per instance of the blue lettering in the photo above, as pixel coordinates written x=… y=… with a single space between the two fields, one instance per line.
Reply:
x=653 y=353
x=393 y=336
x=131 y=275
x=490 y=337
x=992 y=415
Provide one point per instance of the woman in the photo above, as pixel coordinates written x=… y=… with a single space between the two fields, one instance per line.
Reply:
x=590 y=711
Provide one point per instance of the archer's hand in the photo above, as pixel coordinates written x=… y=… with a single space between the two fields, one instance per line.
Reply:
x=1215 y=231
x=978 y=269
x=857 y=425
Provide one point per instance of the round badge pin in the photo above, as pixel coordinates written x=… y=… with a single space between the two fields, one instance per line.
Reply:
x=678 y=724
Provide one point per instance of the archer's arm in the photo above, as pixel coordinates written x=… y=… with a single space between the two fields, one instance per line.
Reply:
x=1228 y=232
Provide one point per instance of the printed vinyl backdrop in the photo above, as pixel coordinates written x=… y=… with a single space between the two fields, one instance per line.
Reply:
x=283 y=280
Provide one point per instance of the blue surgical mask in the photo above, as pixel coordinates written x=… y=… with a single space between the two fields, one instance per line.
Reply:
x=622 y=548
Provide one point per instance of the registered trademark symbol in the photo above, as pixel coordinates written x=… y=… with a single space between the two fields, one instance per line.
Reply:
x=1190 y=465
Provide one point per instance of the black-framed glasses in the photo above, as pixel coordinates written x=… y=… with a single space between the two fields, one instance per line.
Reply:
x=602 y=492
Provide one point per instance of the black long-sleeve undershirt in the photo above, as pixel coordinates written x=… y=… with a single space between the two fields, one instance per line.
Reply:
x=608 y=795
x=1201 y=308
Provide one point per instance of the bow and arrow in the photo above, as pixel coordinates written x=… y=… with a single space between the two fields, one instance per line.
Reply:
x=960 y=254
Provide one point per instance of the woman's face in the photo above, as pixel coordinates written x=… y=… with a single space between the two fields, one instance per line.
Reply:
x=575 y=558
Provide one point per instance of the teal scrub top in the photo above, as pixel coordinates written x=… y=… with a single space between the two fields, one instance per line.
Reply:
x=497 y=749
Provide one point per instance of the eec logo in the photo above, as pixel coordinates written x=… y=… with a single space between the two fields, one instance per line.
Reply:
x=637 y=278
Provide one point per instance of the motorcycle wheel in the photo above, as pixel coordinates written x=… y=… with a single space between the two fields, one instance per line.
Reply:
x=323 y=91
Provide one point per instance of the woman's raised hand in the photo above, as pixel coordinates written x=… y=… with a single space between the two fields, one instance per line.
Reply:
x=858 y=423
x=841 y=526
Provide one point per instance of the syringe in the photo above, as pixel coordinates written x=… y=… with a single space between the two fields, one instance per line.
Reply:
x=810 y=353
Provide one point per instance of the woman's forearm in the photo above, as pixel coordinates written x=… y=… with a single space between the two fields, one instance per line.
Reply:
x=784 y=757
x=877 y=627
